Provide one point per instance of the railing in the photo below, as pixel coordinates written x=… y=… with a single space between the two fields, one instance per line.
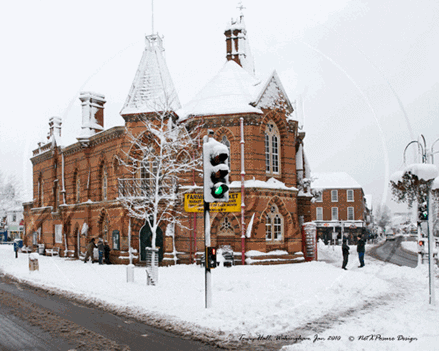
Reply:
x=133 y=187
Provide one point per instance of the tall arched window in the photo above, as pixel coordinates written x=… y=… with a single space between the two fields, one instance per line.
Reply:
x=78 y=189
x=274 y=225
x=226 y=142
x=40 y=192
x=104 y=183
x=272 y=148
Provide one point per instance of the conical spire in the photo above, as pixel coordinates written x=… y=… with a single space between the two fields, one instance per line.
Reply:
x=152 y=89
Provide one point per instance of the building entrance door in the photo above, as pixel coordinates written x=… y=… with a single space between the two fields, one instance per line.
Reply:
x=145 y=241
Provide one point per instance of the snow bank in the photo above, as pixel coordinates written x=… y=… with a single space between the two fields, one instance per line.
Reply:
x=295 y=299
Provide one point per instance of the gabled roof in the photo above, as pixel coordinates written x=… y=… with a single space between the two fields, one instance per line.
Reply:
x=152 y=89
x=234 y=90
x=334 y=180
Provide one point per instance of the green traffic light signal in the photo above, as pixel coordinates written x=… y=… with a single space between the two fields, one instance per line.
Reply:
x=220 y=190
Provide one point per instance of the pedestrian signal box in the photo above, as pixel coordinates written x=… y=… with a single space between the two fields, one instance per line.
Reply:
x=211 y=257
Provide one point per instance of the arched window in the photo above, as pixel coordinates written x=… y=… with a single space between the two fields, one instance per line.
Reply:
x=272 y=148
x=78 y=189
x=274 y=225
x=40 y=192
x=104 y=183
x=105 y=228
x=226 y=142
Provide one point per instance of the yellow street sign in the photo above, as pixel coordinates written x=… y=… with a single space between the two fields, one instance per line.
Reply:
x=194 y=203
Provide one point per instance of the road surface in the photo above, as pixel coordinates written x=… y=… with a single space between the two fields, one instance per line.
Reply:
x=391 y=251
x=32 y=319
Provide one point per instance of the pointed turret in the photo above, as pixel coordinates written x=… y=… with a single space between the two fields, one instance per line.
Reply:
x=152 y=89
x=237 y=44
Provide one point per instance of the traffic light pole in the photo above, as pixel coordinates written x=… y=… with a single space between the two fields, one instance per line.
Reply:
x=208 y=292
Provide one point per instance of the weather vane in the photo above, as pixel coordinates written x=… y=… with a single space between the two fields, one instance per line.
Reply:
x=241 y=8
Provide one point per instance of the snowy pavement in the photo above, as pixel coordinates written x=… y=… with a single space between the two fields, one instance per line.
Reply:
x=380 y=307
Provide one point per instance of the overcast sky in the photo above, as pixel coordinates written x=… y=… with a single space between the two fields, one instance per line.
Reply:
x=367 y=70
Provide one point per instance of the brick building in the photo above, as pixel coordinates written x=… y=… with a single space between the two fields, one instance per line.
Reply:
x=341 y=206
x=75 y=187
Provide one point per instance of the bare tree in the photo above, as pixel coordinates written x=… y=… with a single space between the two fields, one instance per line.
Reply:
x=159 y=159
x=383 y=216
x=10 y=193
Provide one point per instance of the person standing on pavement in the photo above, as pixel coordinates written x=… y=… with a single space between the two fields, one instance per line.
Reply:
x=100 y=250
x=106 y=252
x=89 y=250
x=345 y=253
x=361 y=250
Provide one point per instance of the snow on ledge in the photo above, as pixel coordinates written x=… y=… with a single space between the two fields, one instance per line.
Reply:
x=271 y=183
x=253 y=253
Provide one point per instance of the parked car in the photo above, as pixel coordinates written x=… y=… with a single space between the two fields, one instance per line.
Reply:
x=390 y=236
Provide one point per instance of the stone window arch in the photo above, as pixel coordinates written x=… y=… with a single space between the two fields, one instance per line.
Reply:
x=272 y=148
x=274 y=225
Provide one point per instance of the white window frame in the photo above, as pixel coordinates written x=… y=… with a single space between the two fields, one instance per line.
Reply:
x=274 y=225
x=319 y=197
x=58 y=233
x=348 y=213
x=350 y=191
x=335 y=213
x=272 y=149
x=334 y=195
x=319 y=214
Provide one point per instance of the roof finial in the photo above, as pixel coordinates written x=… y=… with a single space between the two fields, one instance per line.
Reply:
x=241 y=8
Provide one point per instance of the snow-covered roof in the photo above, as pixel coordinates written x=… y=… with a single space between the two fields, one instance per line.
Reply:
x=232 y=90
x=152 y=89
x=333 y=180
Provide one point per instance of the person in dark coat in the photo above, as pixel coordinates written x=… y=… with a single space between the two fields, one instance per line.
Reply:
x=100 y=250
x=89 y=250
x=361 y=250
x=345 y=253
x=106 y=252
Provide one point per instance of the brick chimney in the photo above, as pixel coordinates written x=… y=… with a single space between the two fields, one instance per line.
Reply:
x=237 y=44
x=92 y=105
x=54 y=128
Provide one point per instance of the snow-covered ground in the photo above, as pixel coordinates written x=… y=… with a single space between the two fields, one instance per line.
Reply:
x=371 y=305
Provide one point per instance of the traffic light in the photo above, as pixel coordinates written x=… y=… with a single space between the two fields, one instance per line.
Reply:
x=215 y=171
x=422 y=211
x=421 y=246
x=211 y=257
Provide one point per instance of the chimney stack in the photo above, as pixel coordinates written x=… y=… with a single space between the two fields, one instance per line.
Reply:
x=92 y=105
x=54 y=128
x=237 y=45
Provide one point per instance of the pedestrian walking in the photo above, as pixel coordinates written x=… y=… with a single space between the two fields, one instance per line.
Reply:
x=345 y=253
x=89 y=250
x=361 y=250
x=106 y=252
x=100 y=250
